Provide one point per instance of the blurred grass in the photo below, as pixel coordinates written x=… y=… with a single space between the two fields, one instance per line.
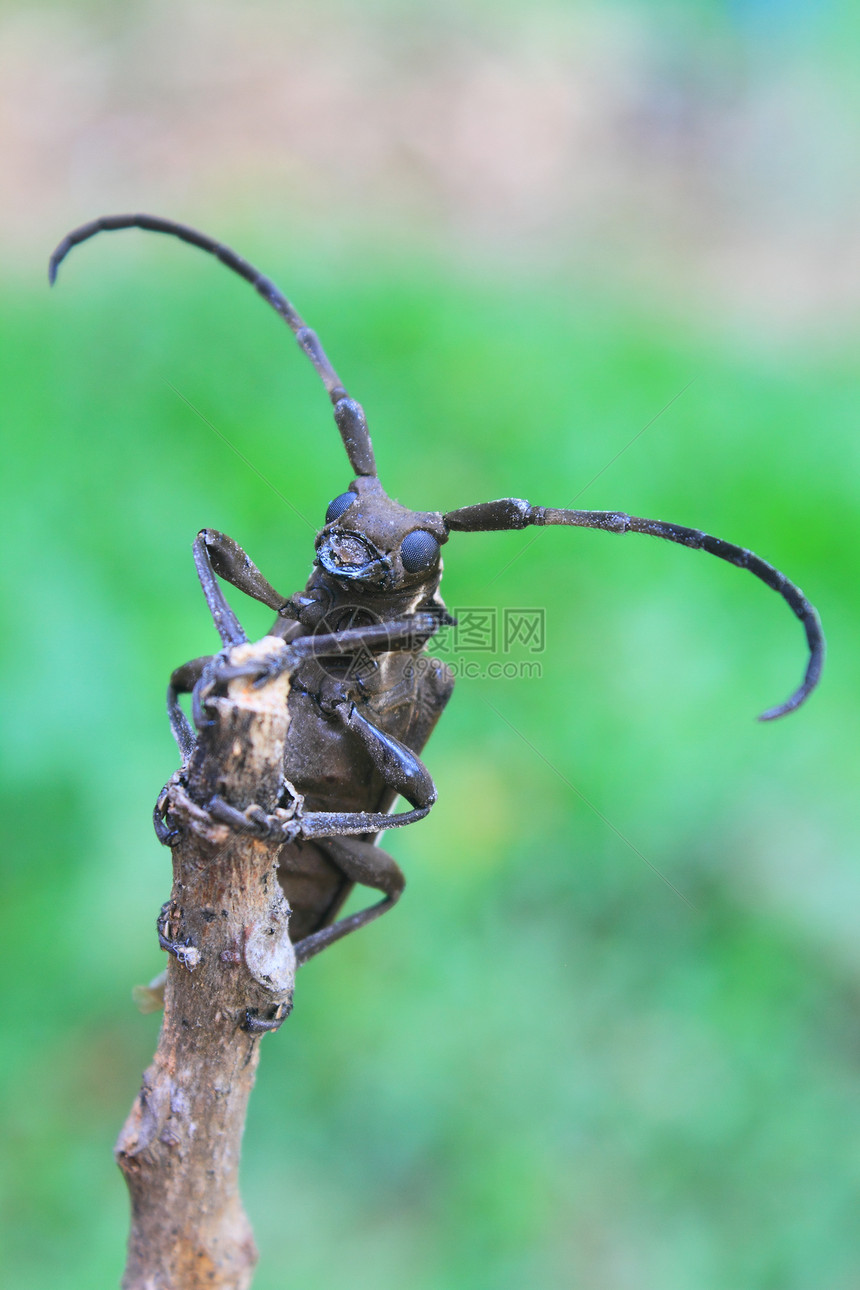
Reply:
x=544 y=1067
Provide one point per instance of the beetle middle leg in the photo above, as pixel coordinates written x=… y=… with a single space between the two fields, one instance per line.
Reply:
x=402 y=771
x=358 y=859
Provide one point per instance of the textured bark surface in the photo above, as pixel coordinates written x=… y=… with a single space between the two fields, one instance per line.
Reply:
x=231 y=964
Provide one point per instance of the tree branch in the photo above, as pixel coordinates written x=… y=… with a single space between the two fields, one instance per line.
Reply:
x=230 y=978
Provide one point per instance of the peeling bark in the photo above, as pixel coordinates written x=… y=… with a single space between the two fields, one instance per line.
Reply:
x=231 y=969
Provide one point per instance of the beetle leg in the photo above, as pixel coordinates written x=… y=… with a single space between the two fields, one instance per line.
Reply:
x=216 y=553
x=182 y=681
x=364 y=863
x=163 y=832
x=401 y=769
x=229 y=628
x=403 y=772
x=303 y=825
x=231 y=563
x=279 y=827
x=409 y=634
x=257 y=1025
x=184 y=952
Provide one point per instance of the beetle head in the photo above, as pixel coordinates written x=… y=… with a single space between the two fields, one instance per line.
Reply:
x=372 y=543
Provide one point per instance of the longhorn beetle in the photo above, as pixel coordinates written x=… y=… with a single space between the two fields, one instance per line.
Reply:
x=361 y=708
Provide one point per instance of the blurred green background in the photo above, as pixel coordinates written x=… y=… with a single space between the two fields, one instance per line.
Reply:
x=524 y=233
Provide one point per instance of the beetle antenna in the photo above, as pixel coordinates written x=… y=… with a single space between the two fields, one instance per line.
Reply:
x=348 y=413
x=512 y=513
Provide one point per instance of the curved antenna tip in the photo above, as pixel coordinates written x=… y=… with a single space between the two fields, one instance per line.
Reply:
x=58 y=255
x=783 y=709
x=791 y=704
x=813 y=671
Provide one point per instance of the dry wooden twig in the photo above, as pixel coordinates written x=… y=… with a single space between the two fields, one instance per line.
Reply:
x=230 y=975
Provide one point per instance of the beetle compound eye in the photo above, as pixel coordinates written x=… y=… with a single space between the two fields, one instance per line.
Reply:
x=338 y=506
x=418 y=551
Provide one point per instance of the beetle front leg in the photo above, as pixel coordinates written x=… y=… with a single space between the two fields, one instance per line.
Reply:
x=182 y=681
x=222 y=555
x=409 y=634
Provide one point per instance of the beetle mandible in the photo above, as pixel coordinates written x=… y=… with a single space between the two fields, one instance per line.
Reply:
x=362 y=708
